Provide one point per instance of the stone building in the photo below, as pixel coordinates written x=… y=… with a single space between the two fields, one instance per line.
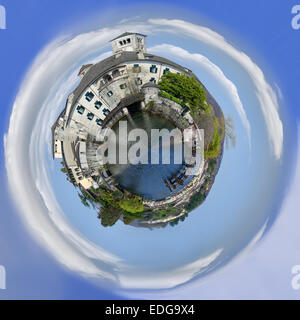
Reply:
x=102 y=95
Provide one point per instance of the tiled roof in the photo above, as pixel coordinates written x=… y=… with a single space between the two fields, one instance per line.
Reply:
x=109 y=63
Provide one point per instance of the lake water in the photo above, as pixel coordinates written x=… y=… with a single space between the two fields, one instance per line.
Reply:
x=146 y=180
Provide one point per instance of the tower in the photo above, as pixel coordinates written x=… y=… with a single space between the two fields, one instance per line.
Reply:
x=133 y=42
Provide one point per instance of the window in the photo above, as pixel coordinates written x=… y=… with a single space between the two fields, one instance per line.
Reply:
x=107 y=78
x=98 y=104
x=80 y=109
x=89 y=96
x=153 y=69
x=109 y=93
x=99 y=122
x=120 y=43
x=128 y=40
x=90 y=116
x=139 y=81
x=123 y=86
x=124 y=42
x=166 y=70
x=136 y=68
x=153 y=80
x=106 y=111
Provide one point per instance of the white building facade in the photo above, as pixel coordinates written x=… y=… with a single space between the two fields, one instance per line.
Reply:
x=102 y=89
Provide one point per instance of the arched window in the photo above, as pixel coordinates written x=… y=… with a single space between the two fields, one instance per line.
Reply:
x=107 y=78
x=116 y=73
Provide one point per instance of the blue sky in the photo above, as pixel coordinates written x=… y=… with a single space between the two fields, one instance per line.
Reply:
x=261 y=29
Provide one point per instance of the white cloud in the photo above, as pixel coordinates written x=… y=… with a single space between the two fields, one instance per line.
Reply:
x=198 y=288
x=39 y=100
x=263 y=273
x=265 y=94
x=170 y=279
x=26 y=168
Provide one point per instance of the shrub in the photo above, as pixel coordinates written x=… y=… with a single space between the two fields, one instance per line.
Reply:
x=213 y=149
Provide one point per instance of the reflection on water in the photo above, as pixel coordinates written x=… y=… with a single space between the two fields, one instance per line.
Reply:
x=146 y=180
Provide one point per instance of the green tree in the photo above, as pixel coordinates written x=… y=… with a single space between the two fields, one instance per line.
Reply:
x=214 y=148
x=83 y=200
x=110 y=197
x=132 y=204
x=195 y=201
x=109 y=215
x=185 y=88
x=129 y=217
